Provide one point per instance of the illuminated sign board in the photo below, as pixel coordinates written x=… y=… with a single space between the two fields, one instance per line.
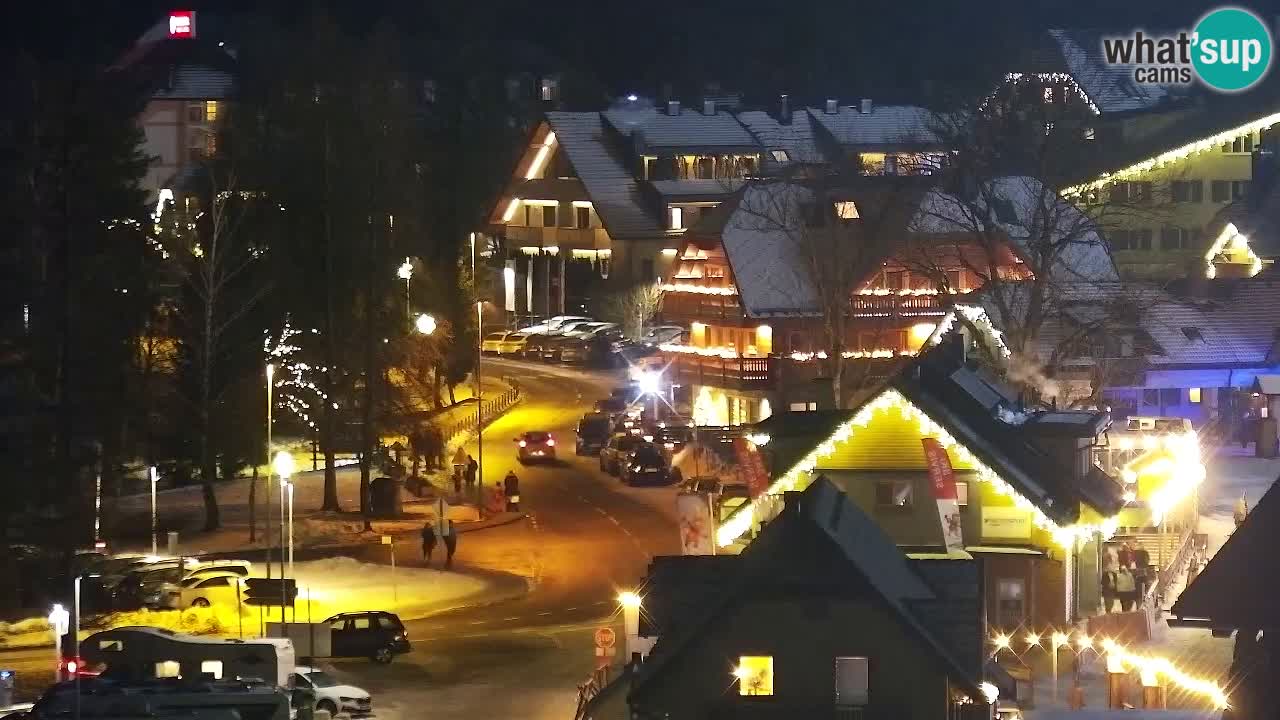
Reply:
x=182 y=24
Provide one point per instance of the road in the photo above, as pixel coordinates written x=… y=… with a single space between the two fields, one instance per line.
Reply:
x=585 y=538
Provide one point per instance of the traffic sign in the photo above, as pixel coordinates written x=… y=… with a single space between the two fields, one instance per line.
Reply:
x=270 y=591
x=605 y=637
x=460 y=456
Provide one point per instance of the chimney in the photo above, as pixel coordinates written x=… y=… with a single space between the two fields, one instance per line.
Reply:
x=784 y=109
x=832 y=106
x=708 y=107
x=866 y=106
x=673 y=107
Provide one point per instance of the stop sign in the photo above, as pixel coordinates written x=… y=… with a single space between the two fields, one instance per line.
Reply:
x=605 y=638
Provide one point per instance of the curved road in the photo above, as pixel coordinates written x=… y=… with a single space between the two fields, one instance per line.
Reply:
x=586 y=538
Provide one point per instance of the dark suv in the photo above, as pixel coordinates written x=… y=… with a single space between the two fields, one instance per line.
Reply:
x=377 y=635
x=593 y=433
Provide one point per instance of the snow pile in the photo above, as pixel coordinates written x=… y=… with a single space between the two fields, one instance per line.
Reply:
x=1012 y=416
x=36 y=632
x=344 y=584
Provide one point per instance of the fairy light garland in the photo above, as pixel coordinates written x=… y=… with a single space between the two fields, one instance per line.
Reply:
x=297 y=392
x=698 y=289
x=978 y=318
x=1206 y=143
x=1055 y=78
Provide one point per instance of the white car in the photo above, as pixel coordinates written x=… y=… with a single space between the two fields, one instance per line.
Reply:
x=331 y=695
x=168 y=594
x=206 y=590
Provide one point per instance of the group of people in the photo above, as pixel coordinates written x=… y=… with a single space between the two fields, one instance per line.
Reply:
x=465 y=473
x=1126 y=572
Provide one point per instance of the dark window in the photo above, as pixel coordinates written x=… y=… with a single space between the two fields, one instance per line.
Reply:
x=1239 y=189
x=528 y=215
x=387 y=623
x=1121 y=239
x=215 y=582
x=1188 y=191
x=1144 y=239
x=893 y=494
x=1151 y=398
x=953 y=279
x=1140 y=193
x=584 y=216
x=548 y=216
x=1172 y=238
x=1242 y=144
x=195 y=112
x=1170 y=396
x=705 y=168
x=1219 y=191
x=1119 y=193
x=1011 y=596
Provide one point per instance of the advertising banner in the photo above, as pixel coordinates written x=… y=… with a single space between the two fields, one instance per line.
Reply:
x=943 y=480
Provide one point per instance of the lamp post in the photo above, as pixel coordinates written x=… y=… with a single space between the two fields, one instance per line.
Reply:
x=284 y=467
x=479 y=398
x=404 y=272
x=271 y=369
x=59 y=619
x=630 y=602
x=155 y=525
x=425 y=324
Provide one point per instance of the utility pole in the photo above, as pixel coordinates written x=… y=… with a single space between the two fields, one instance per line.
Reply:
x=475 y=284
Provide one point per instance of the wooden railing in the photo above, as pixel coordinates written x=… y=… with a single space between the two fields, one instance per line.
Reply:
x=697 y=307
x=894 y=304
x=740 y=373
x=563 y=238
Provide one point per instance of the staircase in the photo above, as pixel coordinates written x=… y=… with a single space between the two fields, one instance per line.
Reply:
x=1151 y=543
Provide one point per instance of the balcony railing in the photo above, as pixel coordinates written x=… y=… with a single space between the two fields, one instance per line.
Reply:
x=690 y=307
x=737 y=373
x=894 y=304
x=563 y=238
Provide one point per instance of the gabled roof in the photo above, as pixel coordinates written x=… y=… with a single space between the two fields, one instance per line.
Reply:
x=1110 y=87
x=1258 y=220
x=886 y=126
x=197 y=82
x=652 y=128
x=818 y=529
x=615 y=193
x=1239 y=586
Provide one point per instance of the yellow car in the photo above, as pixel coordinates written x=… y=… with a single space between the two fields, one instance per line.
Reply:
x=504 y=343
x=493 y=343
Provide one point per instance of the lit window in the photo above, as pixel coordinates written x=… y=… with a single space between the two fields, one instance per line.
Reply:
x=893 y=494
x=962 y=493
x=1194 y=395
x=847 y=210
x=1090 y=133
x=168 y=669
x=852 y=681
x=677 y=218
x=1011 y=596
x=211 y=110
x=1048 y=95
x=780 y=155
x=211 y=667
x=755 y=675
x=548 y=89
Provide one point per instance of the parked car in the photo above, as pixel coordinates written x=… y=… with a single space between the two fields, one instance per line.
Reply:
x=553 y=343
x=492 y=343
x=513 y=343
x=593 y=433
x=592 y=346
x=331 y=695
x=536 y=445
x=206 y=590
x=168 y=593
x=377 y=635
x=616 y=451
x=141 y=588
x=611 y=406
x=647 y=465
x=664 y=334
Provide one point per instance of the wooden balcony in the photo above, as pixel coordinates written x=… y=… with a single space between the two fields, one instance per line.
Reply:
x=687 y=307
x=755 y=373
x=895 y=304
x=563 y=238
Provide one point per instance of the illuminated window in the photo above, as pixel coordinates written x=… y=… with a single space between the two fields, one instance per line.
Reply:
x=847 y=210
x=1193 y=394
x=211 y=667
x=1089 y=133
x=210 y=110
x=852 y=681
x=893 y=494
x=755 y=675
x=962 y=493
x=1048 y=95
x=549 y=87
x=780 y=155
x=802 y=407
x=1011 y=594
x=168 y=669
x=677 y=218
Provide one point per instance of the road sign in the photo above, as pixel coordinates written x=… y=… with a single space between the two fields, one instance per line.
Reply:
x=270 y=591
x=605 y=637
x=460 y=457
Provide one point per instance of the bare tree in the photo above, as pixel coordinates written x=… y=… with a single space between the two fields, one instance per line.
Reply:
x=633 y=308
x=214 y=257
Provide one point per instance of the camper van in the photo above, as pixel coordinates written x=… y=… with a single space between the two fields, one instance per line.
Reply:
x=143 y=653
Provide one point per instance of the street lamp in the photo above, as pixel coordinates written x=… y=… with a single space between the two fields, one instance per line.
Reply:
x=404 y=272
x=425 y=324
x=155 y=477
x=479 y=400
x=283 y=465
x=59 y=619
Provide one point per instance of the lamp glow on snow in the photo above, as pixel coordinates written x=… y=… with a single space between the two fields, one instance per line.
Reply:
x=425 y=324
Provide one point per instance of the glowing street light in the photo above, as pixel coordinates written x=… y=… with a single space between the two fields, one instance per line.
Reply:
x=404 y=272
x=59 y=620
x=155 y=478
x=283 y=466
x=425 y=324
x=1001 y=642
x=630 y=602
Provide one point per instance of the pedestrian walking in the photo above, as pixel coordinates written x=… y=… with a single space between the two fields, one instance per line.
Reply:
x=1241 y=511
x=1142 y=569
x=450 y=543
x=428 y=543
x=1126 y=588
x=1108 y=588
x=511 y=490
x=1124 y=556
x=457 y=479
x=473 y=468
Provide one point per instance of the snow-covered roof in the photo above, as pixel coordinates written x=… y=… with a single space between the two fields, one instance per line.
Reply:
x=794 y=138
x=762 y=239
x=687 y=129
x=1110 y=87
x=1022 y=206
x=885 y=125
x=615 y=193
x=197 y=82
x=676 y=190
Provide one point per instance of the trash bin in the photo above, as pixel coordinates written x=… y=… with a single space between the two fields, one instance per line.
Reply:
x=384 y=497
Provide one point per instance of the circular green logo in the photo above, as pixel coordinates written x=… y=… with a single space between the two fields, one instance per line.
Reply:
x=1231 y=49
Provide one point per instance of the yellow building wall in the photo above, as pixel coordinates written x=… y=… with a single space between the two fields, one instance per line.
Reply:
x=888 y=442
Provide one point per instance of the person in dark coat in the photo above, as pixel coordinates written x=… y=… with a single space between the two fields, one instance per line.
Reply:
x=450 y=543
x=428 y=542
x=511 y=490
x=1108 y=589
x=473 y=468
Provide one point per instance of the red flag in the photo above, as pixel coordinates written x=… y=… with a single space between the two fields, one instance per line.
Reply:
x=944 y=492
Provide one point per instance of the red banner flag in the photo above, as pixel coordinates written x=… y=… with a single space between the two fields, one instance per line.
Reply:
x=943 y=479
